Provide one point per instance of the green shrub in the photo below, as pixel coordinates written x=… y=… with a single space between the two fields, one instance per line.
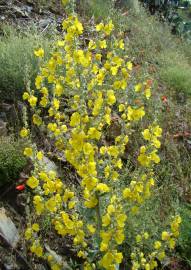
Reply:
x=17 y=61
x=12 y=160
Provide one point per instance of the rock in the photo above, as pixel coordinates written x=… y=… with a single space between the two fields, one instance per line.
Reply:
x=5 y=2
x=49 y=165
x=20 y=12
x=10 y=266
x=57 y=258
x=21 y=202
x=3 y=116
x=10 y=114
x=3 y=128
x=28 y=9
x=5 y=107
x=43 y=23
x=8 y=229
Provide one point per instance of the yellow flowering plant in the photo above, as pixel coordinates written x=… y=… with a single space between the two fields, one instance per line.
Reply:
x=80 y=92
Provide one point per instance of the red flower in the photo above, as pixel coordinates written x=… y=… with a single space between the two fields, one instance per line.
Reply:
x=164 y=99
x=20 y=187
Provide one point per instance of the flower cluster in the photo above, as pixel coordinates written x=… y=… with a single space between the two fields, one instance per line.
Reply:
x=80 y=90
x=168 y=240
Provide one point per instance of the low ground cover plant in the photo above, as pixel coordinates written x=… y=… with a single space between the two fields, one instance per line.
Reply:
x=12 y=160
x=86 y=87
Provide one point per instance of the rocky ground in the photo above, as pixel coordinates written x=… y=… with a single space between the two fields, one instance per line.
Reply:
x=26 y=12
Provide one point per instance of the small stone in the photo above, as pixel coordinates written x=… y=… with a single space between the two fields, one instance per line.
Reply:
x=19 y=12
x=10 y=266
x=8 y=229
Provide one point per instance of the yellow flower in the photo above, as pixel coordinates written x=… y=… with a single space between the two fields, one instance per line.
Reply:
x=121 y=218
x=56 y=103
x=155 y=157
x=28 y=151
x=111 y=97
x=91 y=228
x=156 y=143
x=37 y=250
x=157 y=244
x=129 y=65
x=121 y=44
x=79 y=26
x=75 y=119
x=172 y=243
x=103 y=44
x=58 y=90
x=99 y=27
x=148 y=93
x=38 y=81
x=146 y=134
x=93 y=133
x=118 y=257
x=91 y=45
x=35 y=227
x=114 y=70
x=32 y=101
x=146 y=235
x=39 y=53
x=121 y=108
x=126 y=193
x=25 y=96
x=119 y=237
x=64 y=128
x=108 y=28
x=28 y=233
x=138 y=87
x=64 y=2
x=157 y=131
x=60 y=43
x=68 y=195
x=102 y=188
x=91 y=203
x=106 y=220
x=56 y=266
x=161 y=255
x=138 y=238
x=81 y=254
x=165 y=236
x=44 y=102
x=37 y=119
x=24 y=132
x=110 y=209
x=39 y=155
x=32 y=182
x=135 y=114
